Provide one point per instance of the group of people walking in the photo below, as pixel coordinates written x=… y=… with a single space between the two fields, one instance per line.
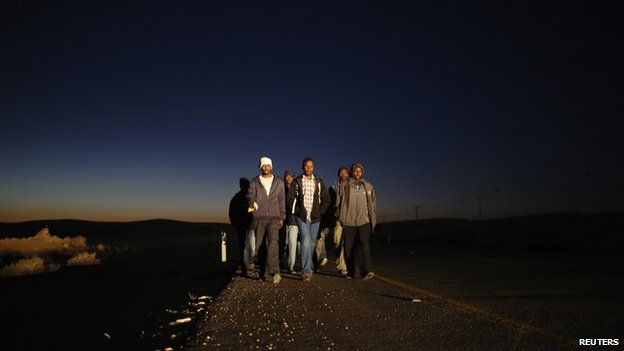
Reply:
x=305 y=210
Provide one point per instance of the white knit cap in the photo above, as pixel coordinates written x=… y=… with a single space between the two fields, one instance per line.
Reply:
x=266 y=161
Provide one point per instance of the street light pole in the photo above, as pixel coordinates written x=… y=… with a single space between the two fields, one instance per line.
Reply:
x=480 y=211
x=416 y=207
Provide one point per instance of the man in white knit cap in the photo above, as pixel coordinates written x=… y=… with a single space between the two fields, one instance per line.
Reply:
x=267 y=201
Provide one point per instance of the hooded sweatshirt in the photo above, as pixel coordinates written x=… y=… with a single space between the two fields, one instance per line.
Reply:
x=271 y=206
x=349 y=206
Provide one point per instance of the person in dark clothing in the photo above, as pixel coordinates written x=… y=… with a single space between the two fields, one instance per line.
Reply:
x=309 y=199
x=267 y=201
x=357 y=213
x=343 y=177
x=328 y=225
x=291 y=232
x=240 y=218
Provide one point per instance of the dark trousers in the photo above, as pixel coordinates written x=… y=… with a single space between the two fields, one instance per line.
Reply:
x=241 y=234
x=361 y=234
x=268 y=253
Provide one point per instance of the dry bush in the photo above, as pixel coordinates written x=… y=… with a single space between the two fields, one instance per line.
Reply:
x=84 y=259
x=28 y=266
x=42 y=244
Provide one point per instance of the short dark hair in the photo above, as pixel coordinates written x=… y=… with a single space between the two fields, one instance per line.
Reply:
x=305 y=160
x=243 y=183
x=341 y=168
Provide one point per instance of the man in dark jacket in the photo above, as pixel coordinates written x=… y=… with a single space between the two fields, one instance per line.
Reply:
x=357 y=213
x=292 y=232
x=343 y=178
x=241 y=220
x=328 y=224
x=267 y=201
x=309 y=199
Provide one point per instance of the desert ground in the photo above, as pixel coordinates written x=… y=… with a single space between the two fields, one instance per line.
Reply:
x=518 y=284
x=153 y=274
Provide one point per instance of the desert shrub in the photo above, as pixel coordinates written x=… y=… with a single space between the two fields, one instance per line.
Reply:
x=42 y=244
x=83 y=259
x=28 y=266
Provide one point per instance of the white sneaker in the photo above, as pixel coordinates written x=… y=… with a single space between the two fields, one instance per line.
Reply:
x=324 y=261
x=276 y=278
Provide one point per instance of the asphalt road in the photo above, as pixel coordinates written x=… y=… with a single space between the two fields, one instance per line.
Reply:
x=424 y=298
x=548 y=300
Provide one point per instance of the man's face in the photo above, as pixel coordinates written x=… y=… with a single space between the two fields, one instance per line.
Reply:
x=266 y=169
x=308 y=168
x=357 y=173
x=288 y=180
x=343 y=175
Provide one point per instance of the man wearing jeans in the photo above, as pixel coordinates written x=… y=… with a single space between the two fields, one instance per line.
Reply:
x=309 y=198
x=267 y=201
x=250 y=249
x=357 y=213
x=292 y=232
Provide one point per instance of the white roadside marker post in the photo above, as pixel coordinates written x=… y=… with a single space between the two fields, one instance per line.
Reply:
x=223 y=247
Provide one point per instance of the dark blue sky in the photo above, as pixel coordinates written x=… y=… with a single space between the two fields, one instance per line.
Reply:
x=155 y=110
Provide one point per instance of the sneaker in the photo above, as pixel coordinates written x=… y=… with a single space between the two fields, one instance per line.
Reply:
x=293 y=272
x=324 y=261
x=306 y=278
x=343 y=272
x=276 y=278
x=368 y=276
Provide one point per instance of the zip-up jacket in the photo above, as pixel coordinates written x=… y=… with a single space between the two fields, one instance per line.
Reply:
x=319 y=205
x=271 y=206
x=343 y=206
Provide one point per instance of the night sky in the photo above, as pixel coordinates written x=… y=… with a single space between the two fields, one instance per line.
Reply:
x=124 y=112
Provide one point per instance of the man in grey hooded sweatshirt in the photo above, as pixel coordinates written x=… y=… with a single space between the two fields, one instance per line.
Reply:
x=267 y=201
x=356 y=205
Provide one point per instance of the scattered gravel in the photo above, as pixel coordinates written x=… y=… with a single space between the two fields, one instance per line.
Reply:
x=329 y=313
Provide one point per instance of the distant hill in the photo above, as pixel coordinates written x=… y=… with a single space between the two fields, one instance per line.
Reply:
x=553 y=231
x=155 y=230
x=547 y=232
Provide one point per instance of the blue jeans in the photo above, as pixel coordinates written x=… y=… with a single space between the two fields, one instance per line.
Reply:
x=308 y=231
x=290 y=254
x=250 y=247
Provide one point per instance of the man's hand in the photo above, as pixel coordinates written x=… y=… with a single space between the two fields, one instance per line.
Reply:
x=252 y=207
x=280 y=224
